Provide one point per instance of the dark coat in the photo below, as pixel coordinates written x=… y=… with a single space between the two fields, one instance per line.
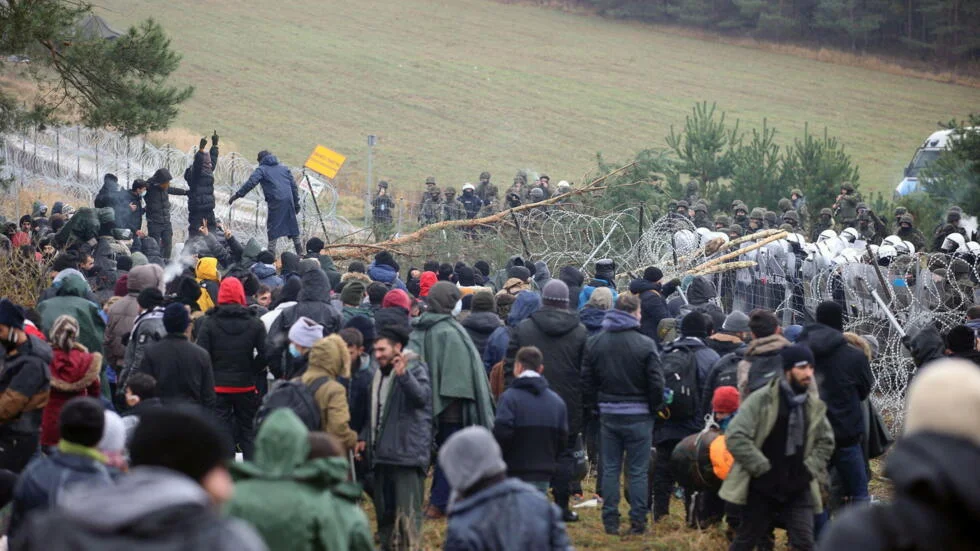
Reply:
x=24 y=386
x=313 y=302
x=844 y=378
x=936 y=506
x=507 y=515
x=281 y=194
x=229 y=333
x=266 y=274
x=125 y=216
x=182 y=370
x=479 y=326
x=723 y=373
x=158 y=205
x=574 y=279
x=561 y=339
x=404 y=436
x=200 y=183
x=622 y=366
x=673 y=429
x=531 y=428
x=653 y=305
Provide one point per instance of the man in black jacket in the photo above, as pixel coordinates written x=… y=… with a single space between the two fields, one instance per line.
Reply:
x=157 y=207
x=844 y=379
x=653 y=299
x=182 y=369
x=556 y=331
x=625 y=383
x=200 y=184
x=235 y=340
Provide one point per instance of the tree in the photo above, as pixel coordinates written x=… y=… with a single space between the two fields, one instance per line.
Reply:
x=757 y=170
x=705 y=148
x=954 y=178
x=652 y=180
x=120 y=83
x=818 y=166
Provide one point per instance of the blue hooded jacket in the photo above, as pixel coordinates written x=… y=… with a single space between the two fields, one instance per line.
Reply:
x=527 y=303
x=384 y=273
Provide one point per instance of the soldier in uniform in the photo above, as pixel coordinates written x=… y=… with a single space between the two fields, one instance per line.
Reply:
x=757 y=219
x=824 y=222
x=701 y=219
x=799 y=205
x=846 y=205
x=693 y=192
x=907 y=231
x=791 y=218
x=382 y=208
x=899 y=211
x=952 y=225
x=784 y=205
x=487 y=193
x=740 y=214
x=870 y=227
x=431 y=207
x=683 y=209
x=771 y=220
x=518 y=190
x=451 y=209
x=722 y=222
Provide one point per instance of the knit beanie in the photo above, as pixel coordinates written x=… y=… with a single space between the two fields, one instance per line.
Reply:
x=395 y=333
x=519 y=272
x=483 y=302
x=82 y=421
x=365 y=325
x=176 y=318
x=11 y=314
x=121 y=288
x=830 y=314
x=139 y=259
x=443 y=297
x=944 y=398
x=182 y=438
x=469 y=456
x=736 y=322
x=149 y=298
x=725 y=400
x=353 y=293
x=265 y=257
x=483 y=266
x=305 y=332
x=124 y=263
x=541 y=271
x=466 y=277
x=555 y=294
x=694 y=325
x=796 y=354
x=188 y=291
x=114 y=434
x=314 y=245
x=397 y=298
x=653 y=274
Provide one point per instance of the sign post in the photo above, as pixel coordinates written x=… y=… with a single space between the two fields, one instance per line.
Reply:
x=326 y=162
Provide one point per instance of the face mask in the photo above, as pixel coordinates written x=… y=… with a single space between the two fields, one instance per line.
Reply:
x=293 y=351
x=723 y=424
x=143 y=193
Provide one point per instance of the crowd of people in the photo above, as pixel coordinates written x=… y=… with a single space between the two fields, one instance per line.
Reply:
x=232 y=397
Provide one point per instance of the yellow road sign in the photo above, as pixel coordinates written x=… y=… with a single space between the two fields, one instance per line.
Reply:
x=325 y=161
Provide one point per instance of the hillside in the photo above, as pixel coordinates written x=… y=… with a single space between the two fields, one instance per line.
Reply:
x=455 y=87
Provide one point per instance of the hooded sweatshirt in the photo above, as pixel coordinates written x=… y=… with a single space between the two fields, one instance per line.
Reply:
x=329 y=358
x=71 y=301
x=527 y=303
x=124 y=312
x=73 y=373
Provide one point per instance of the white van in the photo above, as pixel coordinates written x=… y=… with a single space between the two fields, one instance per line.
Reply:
x=928 y=152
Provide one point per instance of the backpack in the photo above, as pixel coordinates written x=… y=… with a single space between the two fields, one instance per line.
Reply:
x=297 y=396
x=497 y=381
x=681 y=378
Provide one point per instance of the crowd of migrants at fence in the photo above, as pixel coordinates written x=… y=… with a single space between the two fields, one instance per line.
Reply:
x=747 y=367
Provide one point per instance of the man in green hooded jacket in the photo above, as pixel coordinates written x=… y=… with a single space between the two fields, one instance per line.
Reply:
x=297 y=504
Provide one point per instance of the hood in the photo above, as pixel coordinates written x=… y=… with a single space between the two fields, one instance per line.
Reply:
x=290 y=262
x=700 y=291
x=926 y=345
x=515 y=285
x=73 y=286
x=526 y=304
x=482 y=322
x=263 y=271
x=144 y=277
x=591 y=317
x=428 y=319
x=541 y=272
x=554 y=322
x=571 y=276
x=328 y=358
x=143 y=491
x=281 y=444
x=618 y=320
x=515 y=260
x=638 y=286
x=822 y=339
x=74 y=370
x=289 y=291
x=231 y=292
x=534 y=385
x=63 y=274
x=382 y=273
x=766 y=345
x=251 y=249
x=207 y=269
x=426 y=281
x=930 y=467
x=316 y=287
x=269 y=160
x=151 y=247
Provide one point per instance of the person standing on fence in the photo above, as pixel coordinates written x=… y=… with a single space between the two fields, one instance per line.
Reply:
x=157 y=199
x=282 y=195
x=200 y=183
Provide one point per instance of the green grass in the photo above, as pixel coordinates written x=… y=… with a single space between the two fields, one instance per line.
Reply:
x=454 y=87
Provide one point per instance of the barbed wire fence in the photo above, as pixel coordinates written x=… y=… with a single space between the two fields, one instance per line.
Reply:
x=72 y=161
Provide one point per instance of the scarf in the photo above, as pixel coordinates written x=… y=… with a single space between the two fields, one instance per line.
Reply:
x=796 y=424
x=65 y=446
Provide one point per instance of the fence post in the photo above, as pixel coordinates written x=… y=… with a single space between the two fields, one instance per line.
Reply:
x=57 y=150
x=78 y=154
x=401 y=210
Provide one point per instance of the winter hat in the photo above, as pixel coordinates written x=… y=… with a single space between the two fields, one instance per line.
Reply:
x=555 y=294
x=124 y=263
x=265 y=257
x=395 y=333
x=314 y=245
x=796 y=354
x=601 y=298
x=694 y=325
x=872 y=344
x=792 y=332
x=426 y=281
x=736 y=322
x=961 y=339
x=305 y=332
x=82 y=421
x=181 y=438
x=356 y=267
x=149 y=298
x=605 y=269
x=653 y=274
x=399 y=298
x=725 y=400
x=353 y=293
x=445 y=272
x=121 y=288
x=541 y=271
x=519 y=272
x=113 y=434
x=11 y=314
x=469 y=456
x=443 y=297
x=139 y=259
x=483 y=302
x=176 y=318
x=231 y=291
x=830 y=314
x=466 y=277
x=944 y=398
x=384 y=258
x=64 y=332
x=365 y=325
x=483 y=266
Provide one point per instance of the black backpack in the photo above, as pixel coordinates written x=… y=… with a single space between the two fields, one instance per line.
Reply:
x=297 y=396
x=681 y=376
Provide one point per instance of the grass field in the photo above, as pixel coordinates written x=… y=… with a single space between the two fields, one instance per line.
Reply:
x=454 y=87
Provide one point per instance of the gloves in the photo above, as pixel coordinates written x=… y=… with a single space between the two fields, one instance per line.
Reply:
x=233 y=198
x=214 y=139
x=203 y=144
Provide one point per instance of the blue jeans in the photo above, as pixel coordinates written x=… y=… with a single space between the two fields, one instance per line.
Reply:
x=853 y=473
x=632 y=434
x=439 y=496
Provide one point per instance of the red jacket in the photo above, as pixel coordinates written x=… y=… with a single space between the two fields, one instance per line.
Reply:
x=74 y=373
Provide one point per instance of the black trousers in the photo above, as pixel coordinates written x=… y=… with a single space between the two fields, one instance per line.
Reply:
x=561 y=480
x=16 y=450
x=237 y=414
x=757 y=520
x=164 y=236
x=663 y=481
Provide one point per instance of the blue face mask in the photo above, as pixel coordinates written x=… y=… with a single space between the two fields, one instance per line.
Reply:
x=293 y=351
x=723 y=424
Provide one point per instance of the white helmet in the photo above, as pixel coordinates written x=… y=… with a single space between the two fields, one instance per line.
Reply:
x=467 y=186
x=874 y=249
x=564 y=185
x=973 y=247
x=953 y=242
x=892 y=240
x=902 y=247
x=825 y=235
x=886 y=251
x=703 y=232
x=910 y=247
x=850 y=235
